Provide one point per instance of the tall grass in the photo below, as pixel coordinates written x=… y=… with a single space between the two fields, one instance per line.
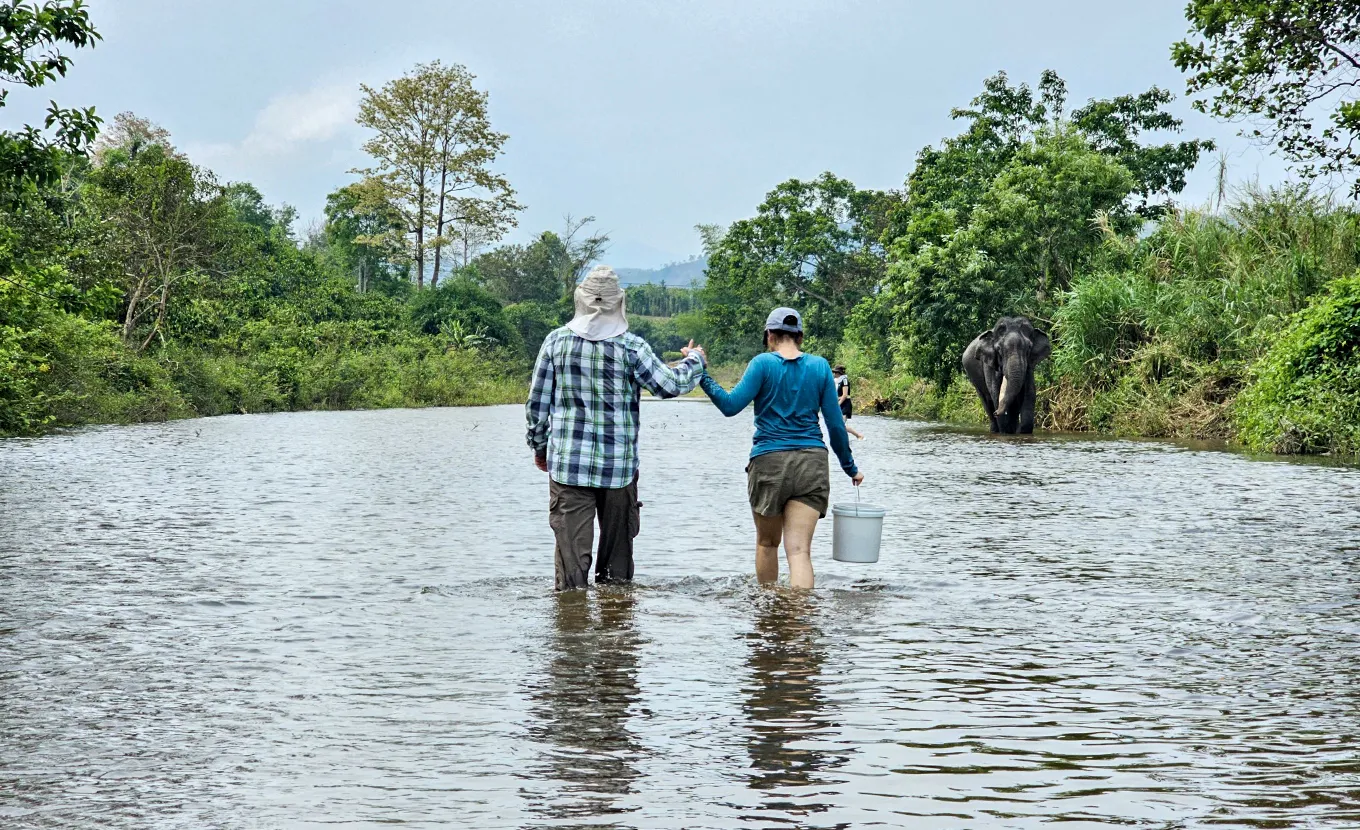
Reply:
x=1161 y=340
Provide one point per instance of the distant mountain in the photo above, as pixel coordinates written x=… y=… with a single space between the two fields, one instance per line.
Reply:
x=677 y=274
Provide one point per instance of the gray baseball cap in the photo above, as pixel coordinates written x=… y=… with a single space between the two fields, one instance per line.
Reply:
x=784 y=319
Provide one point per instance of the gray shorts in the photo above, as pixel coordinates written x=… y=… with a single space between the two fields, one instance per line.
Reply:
x=775 y=478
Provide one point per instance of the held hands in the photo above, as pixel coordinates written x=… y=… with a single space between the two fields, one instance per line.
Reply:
x=686 y=350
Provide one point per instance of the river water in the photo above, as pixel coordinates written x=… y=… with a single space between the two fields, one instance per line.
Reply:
x=347 y=618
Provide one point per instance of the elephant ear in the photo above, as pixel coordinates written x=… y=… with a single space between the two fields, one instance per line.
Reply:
x=1043 y=347
x=982 y=350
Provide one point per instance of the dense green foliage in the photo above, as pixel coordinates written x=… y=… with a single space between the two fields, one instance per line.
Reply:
x=32 y=36
x=814 y=245
x=1305 y=395
x=999 y=219
x=995 y=220
x=136 y=286
x=201 y=302
x=1162 y=337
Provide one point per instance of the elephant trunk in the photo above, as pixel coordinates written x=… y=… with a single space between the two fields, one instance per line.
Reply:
x=1012 y=385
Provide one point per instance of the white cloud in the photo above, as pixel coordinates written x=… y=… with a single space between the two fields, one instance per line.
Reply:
x=289 y=124
x=293 y=120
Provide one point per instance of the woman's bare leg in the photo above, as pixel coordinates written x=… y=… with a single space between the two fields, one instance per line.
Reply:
x=768 y=531
x=854 y=432
x=799 y=523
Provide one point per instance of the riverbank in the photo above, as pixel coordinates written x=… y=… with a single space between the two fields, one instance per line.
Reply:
x=111 y=386
x=1240 y=325
x=1301 y=397
x=120 y=388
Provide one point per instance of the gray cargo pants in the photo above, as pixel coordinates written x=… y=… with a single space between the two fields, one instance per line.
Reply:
x=571 y=514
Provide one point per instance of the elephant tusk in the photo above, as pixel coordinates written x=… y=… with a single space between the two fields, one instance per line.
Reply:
x=1001 y=399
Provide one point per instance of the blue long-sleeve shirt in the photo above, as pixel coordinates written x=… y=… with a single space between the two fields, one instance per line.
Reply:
x=788 y=395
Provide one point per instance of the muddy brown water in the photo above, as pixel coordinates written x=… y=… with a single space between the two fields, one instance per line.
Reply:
x=306 y=620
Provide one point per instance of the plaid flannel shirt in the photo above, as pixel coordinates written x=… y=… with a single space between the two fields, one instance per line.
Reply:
x=583 y=404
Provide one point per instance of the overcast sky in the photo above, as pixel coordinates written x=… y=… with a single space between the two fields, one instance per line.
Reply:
x=652 y=116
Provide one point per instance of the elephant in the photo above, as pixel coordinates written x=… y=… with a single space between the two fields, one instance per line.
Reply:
x=1000 y=363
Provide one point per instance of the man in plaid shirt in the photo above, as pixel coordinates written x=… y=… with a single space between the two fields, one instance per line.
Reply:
x=583 y=428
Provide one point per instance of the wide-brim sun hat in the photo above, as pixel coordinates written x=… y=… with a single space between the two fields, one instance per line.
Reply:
x=600 y=300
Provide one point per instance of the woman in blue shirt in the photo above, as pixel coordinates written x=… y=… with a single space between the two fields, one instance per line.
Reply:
x=788 y=480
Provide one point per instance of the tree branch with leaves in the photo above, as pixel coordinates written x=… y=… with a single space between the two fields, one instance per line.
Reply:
x=1284 y=64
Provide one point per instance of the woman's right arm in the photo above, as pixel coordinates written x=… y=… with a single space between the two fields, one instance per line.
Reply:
x=730 y=403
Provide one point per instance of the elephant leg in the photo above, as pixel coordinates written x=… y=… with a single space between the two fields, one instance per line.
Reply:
x=1027 y=407
x=988 y=400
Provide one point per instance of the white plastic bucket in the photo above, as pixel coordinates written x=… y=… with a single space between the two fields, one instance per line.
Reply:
x=857 y=532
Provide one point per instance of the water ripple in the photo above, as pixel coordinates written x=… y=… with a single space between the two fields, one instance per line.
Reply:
x=312 y=619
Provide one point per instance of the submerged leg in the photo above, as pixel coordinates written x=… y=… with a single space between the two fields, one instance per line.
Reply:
x=619 y=522
x=800 y=521
x=571 y=514
x=768 y=531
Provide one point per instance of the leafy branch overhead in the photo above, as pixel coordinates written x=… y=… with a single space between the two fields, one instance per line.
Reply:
x=32 y=38
x=1285 y=65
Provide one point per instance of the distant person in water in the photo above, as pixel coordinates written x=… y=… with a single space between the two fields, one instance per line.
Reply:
x=583 y=428
x=788 y=479
x=843 y=397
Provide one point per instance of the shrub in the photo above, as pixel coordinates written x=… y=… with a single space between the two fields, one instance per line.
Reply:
x=533 y=321
x=1162 y=344
x=1304 y=396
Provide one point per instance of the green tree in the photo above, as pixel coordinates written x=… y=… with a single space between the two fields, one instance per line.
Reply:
x=32 y=36
x=434 y=147
x=360 y=235
x=461 y=307
x=949 y=180
x=1030 y=232
x=812 y=244
x=161 y=222
x=1282 y=63
x=525 y=273
x=1114 y=126
x=998 y=219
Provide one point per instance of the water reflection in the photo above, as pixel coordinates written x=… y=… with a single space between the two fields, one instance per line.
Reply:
x=299 y=620
x=582 y=709
x=785 y=706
